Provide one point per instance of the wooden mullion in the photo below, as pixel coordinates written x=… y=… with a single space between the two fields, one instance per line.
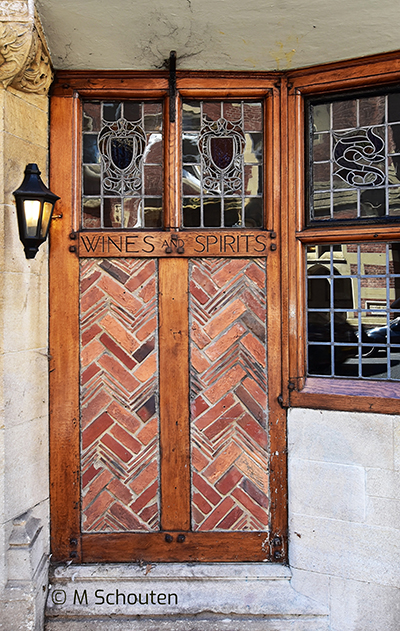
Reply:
x=63 y=344
x=174 y=394
x=195 y=546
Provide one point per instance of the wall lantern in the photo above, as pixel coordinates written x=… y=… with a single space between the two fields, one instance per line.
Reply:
x=35 y=203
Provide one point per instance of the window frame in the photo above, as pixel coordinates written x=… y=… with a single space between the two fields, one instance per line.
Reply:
x=339 y=79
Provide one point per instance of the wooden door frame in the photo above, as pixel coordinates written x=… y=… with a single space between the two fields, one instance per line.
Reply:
x=67 y=541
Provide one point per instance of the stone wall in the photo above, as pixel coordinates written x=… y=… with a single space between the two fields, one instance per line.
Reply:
x=344 y=489
x=24 y=491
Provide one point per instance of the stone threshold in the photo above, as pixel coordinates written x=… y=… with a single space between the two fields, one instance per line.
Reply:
x=179 y=597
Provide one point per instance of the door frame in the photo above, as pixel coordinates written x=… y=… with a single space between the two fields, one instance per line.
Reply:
x=67 y=541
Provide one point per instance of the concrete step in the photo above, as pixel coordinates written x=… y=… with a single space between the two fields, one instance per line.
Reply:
x=179 y=597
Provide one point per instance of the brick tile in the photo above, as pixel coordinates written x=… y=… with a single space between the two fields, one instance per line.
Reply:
x=119 y=293
x=201 y=503
x=257 y=511
x=255 y=347
x=145 y=497
x=144 y=478
x=229 y=271
x=126 y=518
x=197 y=517
x=205 y=489
x=224 y=318
x=88 y=281
x=228 y=339
x=215 y=411
x=147 y=329
x=144 y=350
x=198 y=406
x=251 y=404
x=257 y=275
x=147 y=513
x=97 y=486
x=217 y=514
x=95 y=429
x=231 y=478
x=89 y=474
x=230 y=379
x=119 y=333
x=89 y=334
x=89 y=373
x=230 y=519
x=255 y=391
x=116 y=448
x=90 y=298
x=255 y=493
x=199 y=462
x=254 y=305
x=198 y=293
x=198 y=336
x=114 y=271
x=222 y=462
x=147 y=410
x=133 y=445
x=123 y=417
x=94 y=407
x=149 y=291
x=253 y=471
x=141 y=277
x=95 y=510
x=204 y=281
x=254 y=325
x=120 y=491
x=147 y=369
x=254 y=430
x=198 y=361
x=119 y=373
x=91 y=352
x=117 y=351
x=149 y=432
x=229 y=418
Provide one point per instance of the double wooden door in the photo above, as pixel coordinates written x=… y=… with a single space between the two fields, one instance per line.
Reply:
x=167 y=437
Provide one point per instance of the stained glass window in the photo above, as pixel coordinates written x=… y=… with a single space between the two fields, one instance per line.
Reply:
x=122 y=161
x=222 y=164
x=354 y=164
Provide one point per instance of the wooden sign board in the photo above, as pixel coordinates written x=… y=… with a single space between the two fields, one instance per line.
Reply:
x=119 y=243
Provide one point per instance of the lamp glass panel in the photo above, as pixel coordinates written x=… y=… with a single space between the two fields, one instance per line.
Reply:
x=47 y=209
x=32 y=212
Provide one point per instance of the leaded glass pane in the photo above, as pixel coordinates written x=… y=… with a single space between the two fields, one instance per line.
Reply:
x=222 y=164
x=354 y=158
x=353 y=310
x=122 y=156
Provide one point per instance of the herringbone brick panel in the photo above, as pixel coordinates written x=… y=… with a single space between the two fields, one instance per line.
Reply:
x=230 y=452
x=119 y=408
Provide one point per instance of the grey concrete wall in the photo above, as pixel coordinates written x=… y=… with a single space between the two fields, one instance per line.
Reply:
x=344 y=502
x=24 y=521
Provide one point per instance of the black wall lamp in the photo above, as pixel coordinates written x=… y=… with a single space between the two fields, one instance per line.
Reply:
x=35 y=203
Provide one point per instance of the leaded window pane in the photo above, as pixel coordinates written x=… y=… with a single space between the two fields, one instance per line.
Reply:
x=222 y=164
x=354 y=158
x=353 y=310
x=122 y=164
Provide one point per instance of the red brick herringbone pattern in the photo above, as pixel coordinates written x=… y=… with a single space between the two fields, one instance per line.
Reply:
x=228 y=395
x=119 y=378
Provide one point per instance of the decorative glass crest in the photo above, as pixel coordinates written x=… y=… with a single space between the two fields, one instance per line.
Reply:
x=122 y=145
x=221 y=144
x=355 y=153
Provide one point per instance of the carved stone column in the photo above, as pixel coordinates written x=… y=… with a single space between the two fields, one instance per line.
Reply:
x=24 y=57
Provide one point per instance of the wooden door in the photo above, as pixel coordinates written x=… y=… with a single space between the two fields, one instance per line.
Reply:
x=167 y=435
